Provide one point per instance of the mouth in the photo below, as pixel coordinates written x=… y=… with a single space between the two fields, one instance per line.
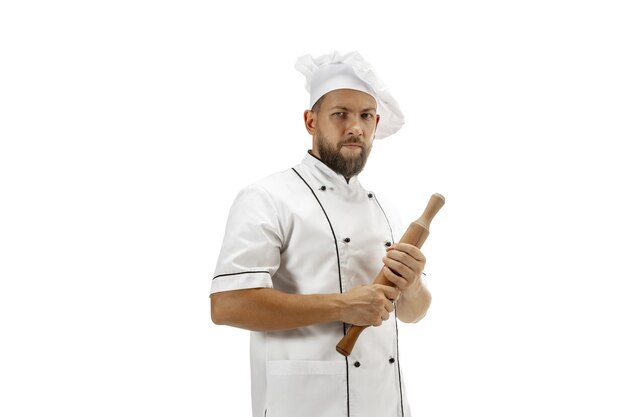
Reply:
x=352 y=146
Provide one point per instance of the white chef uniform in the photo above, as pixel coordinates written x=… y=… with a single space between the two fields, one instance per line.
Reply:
x=308 y=231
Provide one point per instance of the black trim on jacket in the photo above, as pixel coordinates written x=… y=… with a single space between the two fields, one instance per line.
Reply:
x=395 y=318
x=241 y=273
x=340 y=284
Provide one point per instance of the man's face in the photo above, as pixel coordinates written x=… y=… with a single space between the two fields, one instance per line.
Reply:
x=343 y=130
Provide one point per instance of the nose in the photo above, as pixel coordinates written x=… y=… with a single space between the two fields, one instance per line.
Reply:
x=354 y=127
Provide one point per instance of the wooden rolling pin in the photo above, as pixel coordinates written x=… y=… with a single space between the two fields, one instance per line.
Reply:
x=416 y=235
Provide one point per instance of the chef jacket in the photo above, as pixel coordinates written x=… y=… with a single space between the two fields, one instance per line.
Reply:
x=307 y=230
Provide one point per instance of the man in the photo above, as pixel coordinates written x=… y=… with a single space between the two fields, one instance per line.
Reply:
x=300 y=251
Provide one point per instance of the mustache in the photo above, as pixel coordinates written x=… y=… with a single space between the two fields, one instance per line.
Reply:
x=352 y=141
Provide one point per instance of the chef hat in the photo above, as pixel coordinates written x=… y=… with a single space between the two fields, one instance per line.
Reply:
x=349 y=70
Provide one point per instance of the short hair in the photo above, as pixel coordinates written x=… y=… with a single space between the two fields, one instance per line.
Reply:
x=318 y=105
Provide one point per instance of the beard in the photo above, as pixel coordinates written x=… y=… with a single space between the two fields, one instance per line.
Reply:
x=347 y=166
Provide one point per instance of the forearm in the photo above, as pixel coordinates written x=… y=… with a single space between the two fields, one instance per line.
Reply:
x=413 y=303
x=266 y=309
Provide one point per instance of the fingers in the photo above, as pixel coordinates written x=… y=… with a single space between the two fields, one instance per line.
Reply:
x=370 y=305
x=383 y=317
x=391 y=293
x=405 y=255
x=408 y=249
x=404 y=264
x=400 y=282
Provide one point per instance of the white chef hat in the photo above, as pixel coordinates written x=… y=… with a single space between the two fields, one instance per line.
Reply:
x=349 y=70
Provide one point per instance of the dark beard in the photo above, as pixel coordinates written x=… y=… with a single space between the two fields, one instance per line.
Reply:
x=331 y=156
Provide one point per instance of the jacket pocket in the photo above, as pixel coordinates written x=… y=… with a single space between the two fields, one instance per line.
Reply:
x=306 y=388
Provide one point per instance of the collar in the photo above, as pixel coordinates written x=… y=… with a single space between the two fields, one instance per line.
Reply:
x=325 y=174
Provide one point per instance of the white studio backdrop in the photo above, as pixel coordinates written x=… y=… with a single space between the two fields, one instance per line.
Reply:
x=128 y=127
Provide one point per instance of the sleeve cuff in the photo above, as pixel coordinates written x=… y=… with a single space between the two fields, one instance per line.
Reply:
x=241 y=281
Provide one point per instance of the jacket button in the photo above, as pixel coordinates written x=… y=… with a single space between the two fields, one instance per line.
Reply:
x=391 y=360
x=357 y=364
x=347 y=240
x=323 y=188
x=387 y=244
x=370 y=195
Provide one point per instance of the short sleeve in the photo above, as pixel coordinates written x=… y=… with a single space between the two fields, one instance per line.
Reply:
x=250 y=253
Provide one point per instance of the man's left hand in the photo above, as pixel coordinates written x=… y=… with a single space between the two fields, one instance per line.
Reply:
x=404 y=264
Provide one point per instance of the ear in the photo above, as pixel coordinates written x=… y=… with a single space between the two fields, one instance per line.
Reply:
x=310 y=121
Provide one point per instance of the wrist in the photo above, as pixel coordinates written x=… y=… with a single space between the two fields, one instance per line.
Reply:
x=337 y=306
x=415 y=288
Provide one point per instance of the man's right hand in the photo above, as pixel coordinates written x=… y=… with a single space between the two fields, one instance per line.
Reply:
x=368 y=305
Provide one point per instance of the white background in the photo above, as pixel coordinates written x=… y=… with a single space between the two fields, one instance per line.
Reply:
x=127 y=127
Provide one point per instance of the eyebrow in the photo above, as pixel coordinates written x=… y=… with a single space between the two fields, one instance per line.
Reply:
x=369 y=109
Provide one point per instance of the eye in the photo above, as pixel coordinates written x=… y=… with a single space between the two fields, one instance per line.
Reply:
x=367 y=116
x=339 y=114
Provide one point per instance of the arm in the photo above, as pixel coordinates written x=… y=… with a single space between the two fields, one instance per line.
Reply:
x=267 y=309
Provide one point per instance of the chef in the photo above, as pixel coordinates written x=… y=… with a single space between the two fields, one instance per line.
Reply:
x=301 y=249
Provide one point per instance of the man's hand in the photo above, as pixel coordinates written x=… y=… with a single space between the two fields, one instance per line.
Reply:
x=368 y=305
x=404 y=264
